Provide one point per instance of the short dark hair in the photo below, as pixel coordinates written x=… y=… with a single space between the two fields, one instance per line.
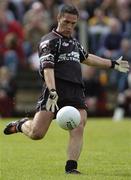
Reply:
x=71 y=9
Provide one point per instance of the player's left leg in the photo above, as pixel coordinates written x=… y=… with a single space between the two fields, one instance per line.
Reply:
x=75 y=145
x=35 y=129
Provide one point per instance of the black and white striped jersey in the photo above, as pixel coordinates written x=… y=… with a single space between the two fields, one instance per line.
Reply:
x=63 y=54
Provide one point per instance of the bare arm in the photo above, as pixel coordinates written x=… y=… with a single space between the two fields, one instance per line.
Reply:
x=97 y=61
x=51 y=104
x=49 y=78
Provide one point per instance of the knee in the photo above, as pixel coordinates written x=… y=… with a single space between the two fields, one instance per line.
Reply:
x=78 y=131
x=36 y=135
x=80 y=128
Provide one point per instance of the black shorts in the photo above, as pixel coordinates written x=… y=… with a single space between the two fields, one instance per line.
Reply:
x=70 y=94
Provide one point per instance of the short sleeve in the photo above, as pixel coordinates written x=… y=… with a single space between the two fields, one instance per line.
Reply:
x=47 y=52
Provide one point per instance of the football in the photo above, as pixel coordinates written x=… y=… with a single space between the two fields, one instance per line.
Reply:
x=68 y=117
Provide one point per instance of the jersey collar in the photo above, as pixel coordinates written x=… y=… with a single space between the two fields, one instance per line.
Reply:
x=59 y=34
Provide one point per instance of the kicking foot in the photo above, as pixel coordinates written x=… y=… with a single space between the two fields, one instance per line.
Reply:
x=15 y=126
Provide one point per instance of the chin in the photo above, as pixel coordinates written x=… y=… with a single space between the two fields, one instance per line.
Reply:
x=67 y=34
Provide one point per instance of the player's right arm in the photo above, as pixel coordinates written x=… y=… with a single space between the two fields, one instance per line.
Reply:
x=47 y=52
x=47 y=60
x=49 y=78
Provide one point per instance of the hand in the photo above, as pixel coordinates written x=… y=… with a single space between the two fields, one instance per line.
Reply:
x=51 y=104
x=121 y=65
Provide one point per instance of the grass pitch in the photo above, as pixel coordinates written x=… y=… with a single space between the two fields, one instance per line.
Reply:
x=106 y=153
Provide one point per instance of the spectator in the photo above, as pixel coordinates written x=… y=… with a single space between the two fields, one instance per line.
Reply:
x=110 y=43
x=11 y=6
x=51 y=10
x=123 y=4
x=125 y=49
x=90 y=6
x=7 y=27
x=11 y=59
x=124 y=16
x=98 y=26
x=7 y=93
x=4 y=6
x=34 y=28
x=119 y=79
x=123 y=102
x=124 y=85
x=110 y=8
x=22 y=7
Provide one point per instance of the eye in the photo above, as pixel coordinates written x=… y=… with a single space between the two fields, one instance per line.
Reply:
x=73 y=23
x=68 y=22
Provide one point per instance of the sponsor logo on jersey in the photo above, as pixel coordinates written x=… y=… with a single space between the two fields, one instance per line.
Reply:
x=73 y=56
x=65 y=44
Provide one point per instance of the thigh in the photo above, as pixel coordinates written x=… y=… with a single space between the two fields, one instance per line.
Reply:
x=42 y=121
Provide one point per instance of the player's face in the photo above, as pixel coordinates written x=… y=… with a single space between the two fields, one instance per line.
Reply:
x=66 y=24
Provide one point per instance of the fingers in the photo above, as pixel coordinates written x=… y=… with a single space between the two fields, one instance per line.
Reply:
x=57 y=108
x=125 y=64
x=48 y=105
x=123 y=69
x=54 y=107
x=51 y=106
x=122 y=65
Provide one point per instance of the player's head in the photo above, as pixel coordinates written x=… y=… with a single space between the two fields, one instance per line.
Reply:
x=67 y=19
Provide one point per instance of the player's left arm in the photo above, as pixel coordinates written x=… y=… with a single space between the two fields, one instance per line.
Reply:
x=96 y=61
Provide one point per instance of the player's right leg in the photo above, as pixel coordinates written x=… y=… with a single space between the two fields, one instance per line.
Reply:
x=35 y=129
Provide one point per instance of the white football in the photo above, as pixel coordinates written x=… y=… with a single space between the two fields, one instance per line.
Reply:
x=68 y=117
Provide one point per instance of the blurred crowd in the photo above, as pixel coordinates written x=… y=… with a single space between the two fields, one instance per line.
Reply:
x=104 y=29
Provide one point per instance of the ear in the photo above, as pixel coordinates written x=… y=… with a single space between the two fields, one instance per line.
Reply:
x=58 y=17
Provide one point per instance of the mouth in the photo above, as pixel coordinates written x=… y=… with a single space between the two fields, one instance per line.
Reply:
x=68 y=31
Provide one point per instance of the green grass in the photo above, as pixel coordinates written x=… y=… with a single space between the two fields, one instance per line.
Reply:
x=106 y=153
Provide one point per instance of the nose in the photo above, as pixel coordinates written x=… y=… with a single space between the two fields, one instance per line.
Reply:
x=69 y=26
